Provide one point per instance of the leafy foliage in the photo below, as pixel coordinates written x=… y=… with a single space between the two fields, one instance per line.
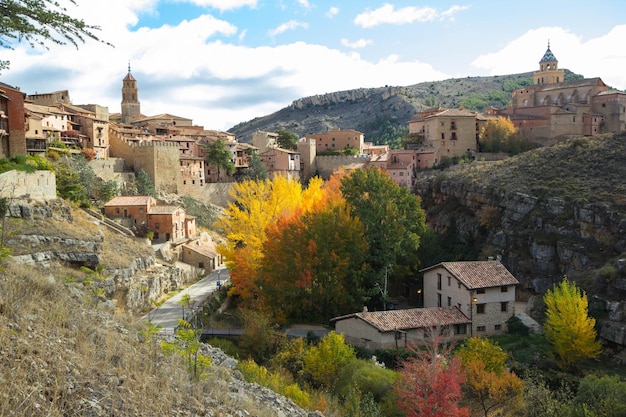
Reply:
x=287 y=140
x=39 y=22
x=312 y=266
x=430 y=384
x=385 y=130
x=501 y=135
x=186 y=344
x=600 y=396
x=324 y=361
x=488 y=383
x=568 y=327
x=144 y=184
x=255 y=205
x=256 y=170
x=25 y=163
x=218 y=156
x=393 y=220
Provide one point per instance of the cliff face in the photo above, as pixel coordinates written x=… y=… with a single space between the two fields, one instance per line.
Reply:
x=547 y=213
x=60 y=240
x=369 y=109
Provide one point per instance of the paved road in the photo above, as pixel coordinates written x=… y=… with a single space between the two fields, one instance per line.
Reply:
x=168 y=314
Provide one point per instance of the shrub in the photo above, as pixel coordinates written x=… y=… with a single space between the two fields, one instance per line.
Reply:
x=516 y=326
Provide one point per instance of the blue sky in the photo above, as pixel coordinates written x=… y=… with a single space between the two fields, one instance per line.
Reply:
x=221 y=62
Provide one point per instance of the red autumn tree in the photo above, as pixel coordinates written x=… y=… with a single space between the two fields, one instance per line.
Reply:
x=431 y=383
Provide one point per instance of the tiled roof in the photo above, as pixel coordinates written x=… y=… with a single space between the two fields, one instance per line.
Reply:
x=139 y=200
x=479 y=274
x=163 y=209
x=203 y=248
x=548 y=56
x=413 y=318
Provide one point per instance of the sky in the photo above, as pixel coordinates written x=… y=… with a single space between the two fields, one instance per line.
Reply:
x=222 y=62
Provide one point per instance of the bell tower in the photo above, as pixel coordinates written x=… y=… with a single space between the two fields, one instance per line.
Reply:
x=130 y=99
x=548 y=69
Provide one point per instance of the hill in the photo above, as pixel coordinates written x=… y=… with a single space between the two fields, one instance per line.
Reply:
x=382 y=112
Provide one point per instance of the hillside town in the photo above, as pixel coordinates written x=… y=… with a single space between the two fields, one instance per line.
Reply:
x=173 y=151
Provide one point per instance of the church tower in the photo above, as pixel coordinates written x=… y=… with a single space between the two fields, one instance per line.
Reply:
x=548 y=69
x=130 y=99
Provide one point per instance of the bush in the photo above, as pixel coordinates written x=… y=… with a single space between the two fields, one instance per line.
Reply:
x=515 y=326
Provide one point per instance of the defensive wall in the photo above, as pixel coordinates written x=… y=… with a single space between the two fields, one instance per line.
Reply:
x=326 y=165
x=38 y=185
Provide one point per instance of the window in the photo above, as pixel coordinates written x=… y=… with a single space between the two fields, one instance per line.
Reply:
x=201 y=265
x=453 y=125
x=504 y=288
x=459 y=284
x=438 y=281
x=504 y=307
x=480 y=291
x=117 y=210
x=460 y=329
x=449 y=281
x=141 y=211
x=453 y=136
x=498 y=327
x=481 y=328
x=156 y=225
x=449 y=302
x=438 y=300
x=480 y=308
x=443 y=136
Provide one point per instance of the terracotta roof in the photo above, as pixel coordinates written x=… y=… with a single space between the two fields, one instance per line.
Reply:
x=414 y=318
x=139 y=200
x=479 y=274
x=163 y=209
x=203 y=248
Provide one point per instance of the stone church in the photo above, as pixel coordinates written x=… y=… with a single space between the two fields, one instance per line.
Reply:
x=553 y=109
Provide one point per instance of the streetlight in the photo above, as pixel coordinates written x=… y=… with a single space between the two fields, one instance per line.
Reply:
x=473 y=300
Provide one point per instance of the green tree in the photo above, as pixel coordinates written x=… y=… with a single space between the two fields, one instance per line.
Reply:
x=218 y=156
x=144 y=184
x=312 y=266
x=600 y=396
x=39 y=22
x=256 y=170
x=186 y=344
x=324 y=361
x=568 y=327
x=287 y=140
x=393 y=220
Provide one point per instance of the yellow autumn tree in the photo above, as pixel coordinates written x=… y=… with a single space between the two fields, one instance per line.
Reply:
x=568 y=327
x=488 y=385
x=496 y=135
x=255 y=205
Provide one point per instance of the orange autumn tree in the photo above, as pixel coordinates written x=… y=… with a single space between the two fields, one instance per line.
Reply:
x=489 y=385
x=254 y=206
x=313 y=265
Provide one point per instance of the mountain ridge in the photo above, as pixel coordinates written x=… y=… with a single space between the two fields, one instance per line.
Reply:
x=359 y=108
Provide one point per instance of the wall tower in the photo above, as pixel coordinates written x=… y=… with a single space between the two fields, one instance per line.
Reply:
x=130 y=99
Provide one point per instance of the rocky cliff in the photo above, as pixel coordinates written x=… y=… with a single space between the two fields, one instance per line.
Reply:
x=369 y=109
x=55 y=238
x=547 y=213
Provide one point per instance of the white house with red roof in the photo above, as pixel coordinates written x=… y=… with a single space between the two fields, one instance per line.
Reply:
x=393 y=329
x=483 y=290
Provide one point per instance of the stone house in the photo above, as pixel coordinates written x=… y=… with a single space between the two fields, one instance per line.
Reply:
x=483 y=290
x=393 y=329
x=450 y=132
x=142 y=214
x=12 y=121
x=282 y=162
x=338 y=140
x=201 y=253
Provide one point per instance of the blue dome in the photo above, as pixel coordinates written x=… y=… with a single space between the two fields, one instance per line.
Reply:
x=548 y=56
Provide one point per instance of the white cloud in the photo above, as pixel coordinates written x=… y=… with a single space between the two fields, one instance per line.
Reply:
x=449 y=14
x=387 y=14
x=361 y=43
x=332 y=12
x=595 y=57
x=223 y=5
x=304 y=3
x=291 y=25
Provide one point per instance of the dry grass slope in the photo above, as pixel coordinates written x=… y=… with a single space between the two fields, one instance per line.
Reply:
x=60 y=355
x=582 y=170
